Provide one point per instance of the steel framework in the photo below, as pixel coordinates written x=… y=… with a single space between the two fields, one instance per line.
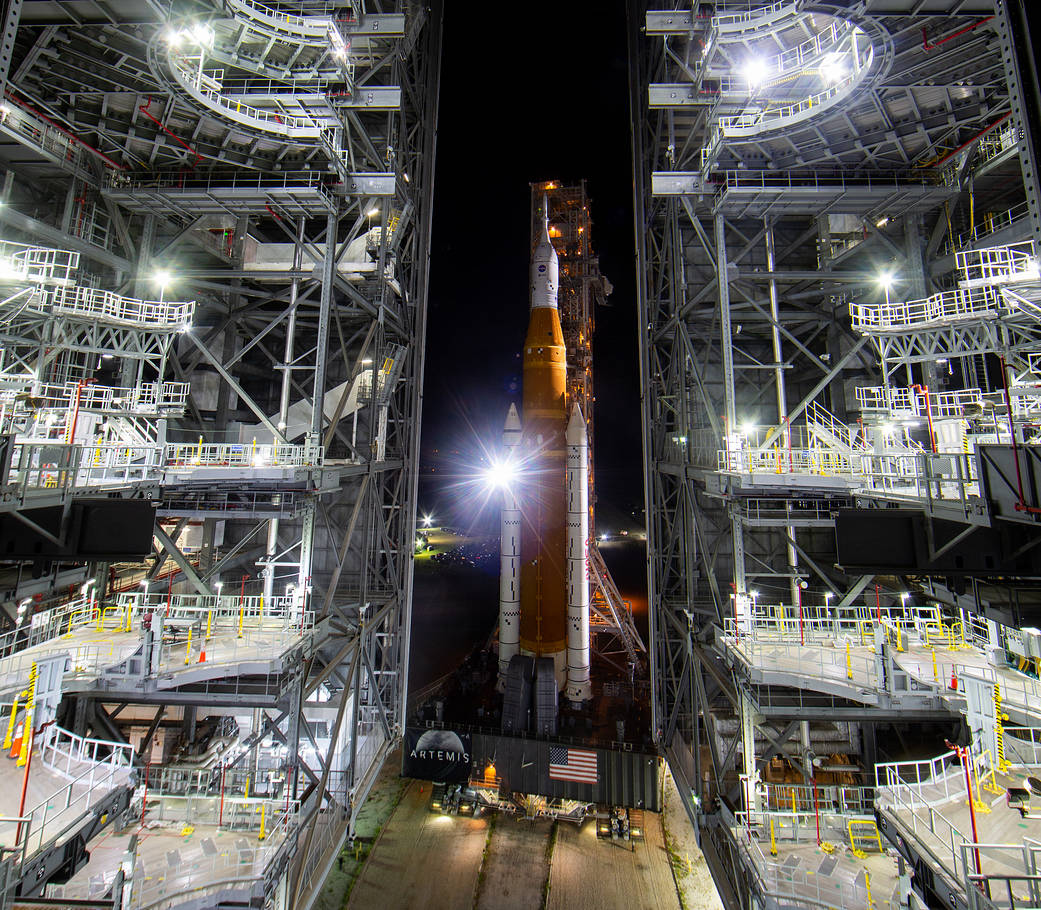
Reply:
x=275 y=164
x=786 y=156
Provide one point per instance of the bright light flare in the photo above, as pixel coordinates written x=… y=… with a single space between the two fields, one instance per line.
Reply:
x=499 y=475
x=198 y=33
x=832 y=69
x=162 y=277
x=885 y=281
x=755 y=72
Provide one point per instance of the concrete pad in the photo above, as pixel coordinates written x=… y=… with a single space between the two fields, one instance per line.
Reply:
x=422 y=861
x=516 y=865
x=589 y=873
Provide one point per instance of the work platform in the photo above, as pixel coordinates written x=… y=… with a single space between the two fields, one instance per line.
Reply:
x=149 y=644
x=898 y=659
x=923 y=809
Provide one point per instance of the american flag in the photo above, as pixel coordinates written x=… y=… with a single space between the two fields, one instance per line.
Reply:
x=572 y=764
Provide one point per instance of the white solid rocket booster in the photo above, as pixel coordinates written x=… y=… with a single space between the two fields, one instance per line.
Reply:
x=509 y=571
x=578 y=688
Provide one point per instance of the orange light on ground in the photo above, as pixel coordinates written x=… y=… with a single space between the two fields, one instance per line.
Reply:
x=489 y=772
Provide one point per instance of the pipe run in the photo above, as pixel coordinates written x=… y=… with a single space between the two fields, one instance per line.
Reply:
x=90 y=148
x=962 y=31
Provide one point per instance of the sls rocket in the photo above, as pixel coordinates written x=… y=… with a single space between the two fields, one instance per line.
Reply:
x=544 y=587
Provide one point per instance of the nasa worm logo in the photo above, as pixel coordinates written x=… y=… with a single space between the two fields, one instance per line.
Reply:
x=542 y=268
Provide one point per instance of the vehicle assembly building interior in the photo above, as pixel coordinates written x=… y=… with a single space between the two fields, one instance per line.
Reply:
x=215 y=222
x=215 y=246
x=837 y=224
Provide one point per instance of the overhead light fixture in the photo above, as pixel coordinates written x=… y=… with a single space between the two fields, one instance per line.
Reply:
x=885 y=280
x=373 y=212
x=882 y=222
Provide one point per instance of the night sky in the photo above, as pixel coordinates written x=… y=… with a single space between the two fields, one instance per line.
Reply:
x=544 y=99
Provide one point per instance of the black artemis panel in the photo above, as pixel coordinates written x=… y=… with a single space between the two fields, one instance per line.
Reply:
x=904 y=540
x=442 y=756
x=93 y=529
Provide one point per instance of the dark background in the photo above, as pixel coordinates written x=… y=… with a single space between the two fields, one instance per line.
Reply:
x=544 y=98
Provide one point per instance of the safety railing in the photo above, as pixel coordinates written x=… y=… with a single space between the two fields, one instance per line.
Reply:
x=212 y=780
x=1022 y=745
x=724 y=21
x=1018 y=691
x=825 y=624
x=330 y=831
x=773 y=117
x=294 y=24
x=241 y=502
x=219 y=612
x=957 y=305
x=188 y=455
x=50 y=624
x=149 y=397
x=832 y=431
x=989 y=223
x=801 y=798
x=36 y=264
x=230 y=868
x=787 y=461
x=810 y=51
x=1002 y=876
x=837 y=665
x=236 y=813
x=107 y=305
x=206 y=88
x=238 y=182
x=996 y=142
x=773 y=510
x=50 y=467
x=922 y=783
x=806 y=624
x=927 y=476
x=904 y=402
x=47 y=138
x=915 y=790
x=997 y=264
x=64 y=752
x=1025 y=400
x=85 y=662
x=817 y=181
x=59 y=814
x=93 y=224
x=809 y=55
x=788 y=886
